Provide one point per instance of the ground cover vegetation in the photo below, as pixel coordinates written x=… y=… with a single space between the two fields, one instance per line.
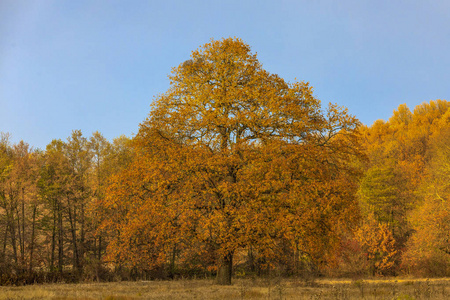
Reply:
x=243 y=288
x=235 y=171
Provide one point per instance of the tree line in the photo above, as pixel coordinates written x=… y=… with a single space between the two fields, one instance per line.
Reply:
x=234 y=171
x=48 y=205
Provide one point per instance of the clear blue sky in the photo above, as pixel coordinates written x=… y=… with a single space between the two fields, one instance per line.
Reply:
x=97 y=65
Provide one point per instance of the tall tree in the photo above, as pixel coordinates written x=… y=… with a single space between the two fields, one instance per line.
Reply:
x=18 y=204
x=428 y=250
x=232 y=156
x=79 y=156
x=8 y=226
x=400 y=154
x=54 y=186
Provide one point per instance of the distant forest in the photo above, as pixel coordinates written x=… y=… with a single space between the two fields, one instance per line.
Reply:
x=234 y=172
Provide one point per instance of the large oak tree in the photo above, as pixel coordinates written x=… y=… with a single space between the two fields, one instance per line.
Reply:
x=232 y=157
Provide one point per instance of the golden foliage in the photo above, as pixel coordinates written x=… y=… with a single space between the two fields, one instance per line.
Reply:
x=230 y=157
x=406 y=182
x=378 y=244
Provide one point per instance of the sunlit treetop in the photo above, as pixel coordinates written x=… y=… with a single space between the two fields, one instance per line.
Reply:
x=222 y=97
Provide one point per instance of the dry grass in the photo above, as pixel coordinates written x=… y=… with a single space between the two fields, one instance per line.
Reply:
x=241 y=289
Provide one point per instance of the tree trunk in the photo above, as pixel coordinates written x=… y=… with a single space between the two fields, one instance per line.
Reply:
x=23 y=230
x=53 y=247
x=20 y=249
x=251 y=260
x=172 y=261
x=60 y=240
x=3 y=256
x=12 y=231
x=73 y=231
x=225 y=269
x=82 y=243
x=33 y=228
x=99 y=248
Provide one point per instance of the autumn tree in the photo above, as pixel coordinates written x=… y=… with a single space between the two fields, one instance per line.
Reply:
x=54 y=185
x=378 y=245
x=107 y=159
x=19 y=205
x=23 y=181
x=428 y=251
x=384 y=195
x=230 y=157
x=402 y=156
x=48 y=206
x=7 y=208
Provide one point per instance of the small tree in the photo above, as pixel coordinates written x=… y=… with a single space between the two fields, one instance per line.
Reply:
x=378 y=245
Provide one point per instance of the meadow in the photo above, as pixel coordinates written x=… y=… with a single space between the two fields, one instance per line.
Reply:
x=243 y=288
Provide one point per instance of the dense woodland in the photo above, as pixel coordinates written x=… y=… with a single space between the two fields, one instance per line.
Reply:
x=235 y=171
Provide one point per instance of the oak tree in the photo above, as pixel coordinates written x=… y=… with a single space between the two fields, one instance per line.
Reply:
x=233 y=157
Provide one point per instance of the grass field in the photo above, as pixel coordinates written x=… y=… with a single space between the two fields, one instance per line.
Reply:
x=241 y=289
